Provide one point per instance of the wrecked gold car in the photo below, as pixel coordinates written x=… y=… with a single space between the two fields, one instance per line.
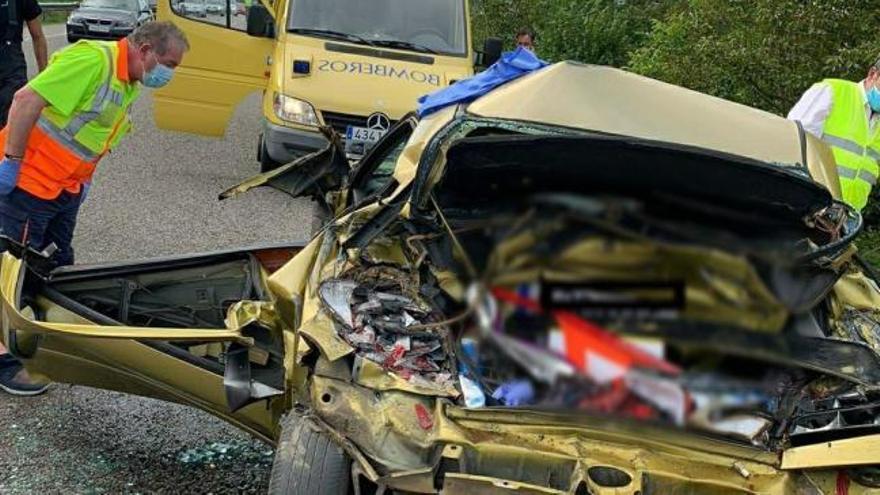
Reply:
x=585 y=281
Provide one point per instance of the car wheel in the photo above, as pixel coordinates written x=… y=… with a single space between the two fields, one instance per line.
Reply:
x=72 y=39
x=307 y=462
x=267 y=164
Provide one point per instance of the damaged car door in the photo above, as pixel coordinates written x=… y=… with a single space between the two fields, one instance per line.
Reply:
x=198 y=330
x=314 y=175
x=327 y=176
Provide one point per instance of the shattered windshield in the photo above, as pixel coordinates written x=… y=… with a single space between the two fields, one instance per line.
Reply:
x=429 y=26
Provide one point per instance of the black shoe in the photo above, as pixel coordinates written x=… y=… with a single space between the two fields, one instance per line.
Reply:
x=9 y=367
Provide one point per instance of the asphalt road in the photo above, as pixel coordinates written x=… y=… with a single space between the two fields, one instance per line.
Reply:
x=156 y=195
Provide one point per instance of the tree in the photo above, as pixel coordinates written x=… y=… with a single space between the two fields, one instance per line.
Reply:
x=591 y=31
x=763 y=53
x=502 y=19
x=597 y=31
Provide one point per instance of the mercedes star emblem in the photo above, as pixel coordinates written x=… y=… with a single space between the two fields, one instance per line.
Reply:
x=379 y=122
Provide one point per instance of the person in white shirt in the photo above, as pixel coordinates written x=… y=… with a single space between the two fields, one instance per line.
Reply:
x=844 y=114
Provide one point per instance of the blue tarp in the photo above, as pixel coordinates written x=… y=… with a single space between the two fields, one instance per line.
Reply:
x=510 y=66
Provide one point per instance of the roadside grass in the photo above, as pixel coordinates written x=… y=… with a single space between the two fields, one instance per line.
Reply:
x=54 y=17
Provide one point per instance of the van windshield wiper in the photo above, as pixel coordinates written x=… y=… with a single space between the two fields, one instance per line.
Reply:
x=405 y=45
x=327 y=33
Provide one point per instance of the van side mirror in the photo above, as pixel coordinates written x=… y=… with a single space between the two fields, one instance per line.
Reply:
x=260 y=22
x=492 y=48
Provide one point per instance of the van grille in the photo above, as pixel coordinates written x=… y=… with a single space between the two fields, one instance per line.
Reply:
x=340 y=121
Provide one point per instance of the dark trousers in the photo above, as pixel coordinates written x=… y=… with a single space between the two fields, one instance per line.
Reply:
x=13 y=75
x=39 y=222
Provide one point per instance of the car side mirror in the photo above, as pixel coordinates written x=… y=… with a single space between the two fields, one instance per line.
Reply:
x=260 y=22
x=492 y=48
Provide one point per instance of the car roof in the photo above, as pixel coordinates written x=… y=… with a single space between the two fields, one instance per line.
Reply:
x=608 y=100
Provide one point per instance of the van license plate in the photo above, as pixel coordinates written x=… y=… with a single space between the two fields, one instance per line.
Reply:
x=359 y=140
x=98 y=28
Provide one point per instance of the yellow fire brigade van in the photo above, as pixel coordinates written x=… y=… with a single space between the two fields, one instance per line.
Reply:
x=357 y=66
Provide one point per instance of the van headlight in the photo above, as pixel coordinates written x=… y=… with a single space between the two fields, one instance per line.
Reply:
x=294 y=110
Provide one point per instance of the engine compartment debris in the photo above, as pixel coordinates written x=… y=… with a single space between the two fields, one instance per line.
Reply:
x=607 y=346
x=387 y=323
x=523 y=361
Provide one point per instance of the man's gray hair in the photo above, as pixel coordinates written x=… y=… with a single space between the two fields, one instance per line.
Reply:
x=159 y=34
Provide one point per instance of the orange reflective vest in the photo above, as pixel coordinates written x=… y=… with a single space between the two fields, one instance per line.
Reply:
x=62 y=151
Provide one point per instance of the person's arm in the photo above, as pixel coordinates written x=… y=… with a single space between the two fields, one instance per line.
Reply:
x=23 y=115
x=31 y=12
x=41 y=50
x=813 y=108
x=69 y=80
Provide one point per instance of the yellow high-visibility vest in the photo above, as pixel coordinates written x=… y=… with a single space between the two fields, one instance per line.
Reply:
x=856 y=148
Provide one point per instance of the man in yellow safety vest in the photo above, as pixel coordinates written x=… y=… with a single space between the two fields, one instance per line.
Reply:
x=60 y=125
x=845 y=114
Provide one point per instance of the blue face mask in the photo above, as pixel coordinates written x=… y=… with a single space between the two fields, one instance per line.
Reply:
x=158 y=76
x=874 y=99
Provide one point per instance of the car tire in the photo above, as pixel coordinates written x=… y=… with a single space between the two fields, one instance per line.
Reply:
x=72 y=39
x=267 y=164
x=307 y=462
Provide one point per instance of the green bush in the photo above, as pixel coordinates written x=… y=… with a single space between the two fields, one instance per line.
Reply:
x=764 y=53
x=591 y=31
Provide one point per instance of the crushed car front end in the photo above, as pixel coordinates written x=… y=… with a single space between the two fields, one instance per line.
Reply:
x=536 y=308
x=583 y=282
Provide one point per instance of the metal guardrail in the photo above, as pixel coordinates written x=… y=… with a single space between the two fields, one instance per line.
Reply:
x=59 y=6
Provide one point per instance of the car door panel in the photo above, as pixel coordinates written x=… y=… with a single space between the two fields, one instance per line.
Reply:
x=64 y=340
x=11 y=278
x=135 y=368
x=222 y=66
x=312 y=175
x=329 y=171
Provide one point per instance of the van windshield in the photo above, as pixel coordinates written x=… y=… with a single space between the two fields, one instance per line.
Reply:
x=430 y=26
